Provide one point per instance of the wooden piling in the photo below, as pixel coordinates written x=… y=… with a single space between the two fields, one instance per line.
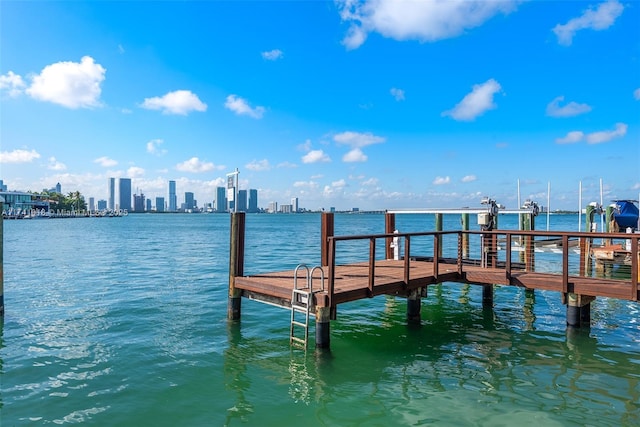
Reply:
x=578 y=310
x=389 y=228
x=439 y=228
x=465 y=236
x=323 y=327
x=413 y=306
x=236 y=264
x=1 y=259
x=327 y=230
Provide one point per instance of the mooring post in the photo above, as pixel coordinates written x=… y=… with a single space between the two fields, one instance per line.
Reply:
x=236 y=264
x=1 y=258
x=439 y=228
x=389 y=228
x=413 y=306
x=326 y=231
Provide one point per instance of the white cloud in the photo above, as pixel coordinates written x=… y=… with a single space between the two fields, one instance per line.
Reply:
x=354 y=155
x=195 y=165
x=571 y=137
x=70 y=84
x=636 y=94
x=105 y=162
x=311 y=185
x=469 y=178
x=425 y=20
x=475 y=103
x=56 y=165
x=180 y=102
x=398 y=94
x=571 y=109
x=441 y=180
x=18 y=156
x=241 y=107
x=259 y=165
x=153 y=147
x=305 y=146
x=315 y=156
x=273 y=55
x=12 y=83
x=135 y=172
x=370 y=182
x=594 y=137
x=607 y=135
x=597 y=19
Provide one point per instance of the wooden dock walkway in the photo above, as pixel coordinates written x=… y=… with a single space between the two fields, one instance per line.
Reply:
x=408 y=275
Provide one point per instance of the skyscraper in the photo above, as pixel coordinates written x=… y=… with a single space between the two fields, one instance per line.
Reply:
x=242 y=200
x=253 y=200
x=159 y=204
x=124 y=194
x=221 y=199
x=138 y=202
x=189 y=202
x=173 y=199
x=294 y=204
x=111 y=189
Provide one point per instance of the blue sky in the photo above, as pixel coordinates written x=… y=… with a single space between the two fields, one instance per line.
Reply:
x=360 y=103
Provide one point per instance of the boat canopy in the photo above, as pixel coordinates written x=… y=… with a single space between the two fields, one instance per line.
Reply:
x=626 y=214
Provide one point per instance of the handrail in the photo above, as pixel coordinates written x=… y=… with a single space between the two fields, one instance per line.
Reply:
x=509 y=234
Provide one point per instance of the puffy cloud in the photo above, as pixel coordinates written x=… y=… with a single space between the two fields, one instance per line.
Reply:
x=571 y=109
x=273 y=55
x=607 y=135
x=425 y=20
x=597 y=19
x=70 y=84
x=475 y=103
x=398 y=94
x=259 y=165
x=105 y=162
x=195 y=165
x=441 y=180
x=180 y=102
x=12 y=83
x=241 y=107
x=594 y=137
x=56 y=165
x=354 y=155
x=571 y=137
x=153 y=147
x=135 y=172
x=18 y=156
x=316 y=156
x=469 y=178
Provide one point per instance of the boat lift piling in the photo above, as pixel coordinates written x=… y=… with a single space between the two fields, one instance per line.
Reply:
x=1 y=259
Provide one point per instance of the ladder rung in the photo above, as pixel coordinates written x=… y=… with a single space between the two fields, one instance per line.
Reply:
x=295 y=322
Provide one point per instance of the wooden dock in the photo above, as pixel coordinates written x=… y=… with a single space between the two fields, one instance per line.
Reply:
x=398 y=271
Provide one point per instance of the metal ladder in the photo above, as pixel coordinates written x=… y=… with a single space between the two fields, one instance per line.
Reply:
x=302 y=302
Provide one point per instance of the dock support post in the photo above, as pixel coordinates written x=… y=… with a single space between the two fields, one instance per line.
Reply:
x=465 y=236
x=414 y=303
x=326 y=231
x=236 y=264
x=323 y=327
x=578 y=310
x=487 y=296
x=389 y=228
x=1 y=259
x=439 y=228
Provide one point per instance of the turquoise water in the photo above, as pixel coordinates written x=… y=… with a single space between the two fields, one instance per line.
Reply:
x=122 y=322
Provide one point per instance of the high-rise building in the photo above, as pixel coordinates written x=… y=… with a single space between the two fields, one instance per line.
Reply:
x=111 y=190
x=92 y=204
x=138 y=202
x=221 y=199
x=253 y=200
x=124 y=194
x=148 y=205
x=173 y=198
x=2 y=186
x=294 y=205
x=242 y=200
x=273 y=207
x=159 y=204
x=58 y=188
x=102 y=205
x=189 y=201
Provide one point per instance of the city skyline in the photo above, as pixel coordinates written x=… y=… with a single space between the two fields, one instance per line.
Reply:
x=371 y=104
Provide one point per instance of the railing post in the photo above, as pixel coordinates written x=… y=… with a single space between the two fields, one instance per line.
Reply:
x=635 y=268
x=389 y=228
x=327 y=231
x=407 y=253
x=372 y=265
x=507 y=266
x=236 y=264
x=438 y=254
x=465 y=236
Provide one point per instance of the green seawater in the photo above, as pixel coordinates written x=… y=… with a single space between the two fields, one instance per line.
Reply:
x=122 y=322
